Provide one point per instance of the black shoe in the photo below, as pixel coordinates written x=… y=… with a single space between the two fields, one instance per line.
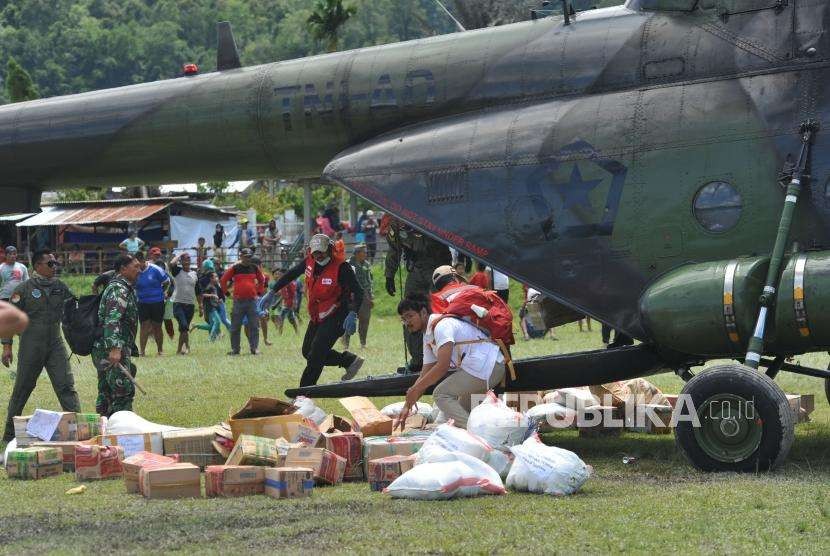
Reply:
x=352 y=369
x=233 y=353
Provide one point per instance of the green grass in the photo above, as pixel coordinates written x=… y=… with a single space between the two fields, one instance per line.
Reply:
x=658 y=504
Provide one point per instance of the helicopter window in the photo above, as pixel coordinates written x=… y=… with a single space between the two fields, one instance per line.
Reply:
x=718 y=206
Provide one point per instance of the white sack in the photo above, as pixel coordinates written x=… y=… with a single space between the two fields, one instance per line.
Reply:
x=452 y=439
x=574 y=398
x=546 y=469
x=127 y=422
x=497 y=423
x=393 y=410
x=446 y=475
x=308 y=409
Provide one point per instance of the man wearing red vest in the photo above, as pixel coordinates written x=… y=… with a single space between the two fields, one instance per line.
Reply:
x=248 y=283
x=334 y=296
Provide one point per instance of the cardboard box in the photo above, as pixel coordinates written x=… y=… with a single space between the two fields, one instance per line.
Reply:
x=65 y=431
x=334 y=423
x=255 y=450
x=34 y=463
x=328 y=467
x=193 y=446
x=93 y=462
x=382 y=446
x=368 y=419
x=24 y=440
x=289 y=482
x=134 y=443
x=89 y=425
x=180 y=480
x=264 y=417
x=234 y=480
x=349 y=446
x=133 y=465
x=801 y=406
x=383 y=471
x=414 y=424
x=605 y=426
x=67 y=451
x=305 y=433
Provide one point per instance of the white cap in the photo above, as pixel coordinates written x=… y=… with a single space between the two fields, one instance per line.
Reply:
x=319 y=243
x=370 y=212
x=441 y=271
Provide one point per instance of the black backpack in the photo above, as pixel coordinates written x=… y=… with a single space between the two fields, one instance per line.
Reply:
x=80 y=323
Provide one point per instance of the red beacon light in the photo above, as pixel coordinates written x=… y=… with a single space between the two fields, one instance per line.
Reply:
x=190 y=69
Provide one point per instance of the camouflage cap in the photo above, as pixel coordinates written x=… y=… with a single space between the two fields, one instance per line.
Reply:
x=319 y=243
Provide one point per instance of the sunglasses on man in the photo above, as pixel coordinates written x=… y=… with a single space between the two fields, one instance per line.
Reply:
x=52 y=264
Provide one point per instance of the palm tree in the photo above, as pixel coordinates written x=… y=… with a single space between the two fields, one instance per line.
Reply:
x=327 y=18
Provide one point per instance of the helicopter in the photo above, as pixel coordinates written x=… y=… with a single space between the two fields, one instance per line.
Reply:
x=661 y=166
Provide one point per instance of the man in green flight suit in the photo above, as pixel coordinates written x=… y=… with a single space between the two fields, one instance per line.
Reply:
x=118 y=316
x=423 y=255
x=42 y=298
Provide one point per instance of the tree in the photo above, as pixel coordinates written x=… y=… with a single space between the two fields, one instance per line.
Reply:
x=19 y=84
x=326 y=20
x=475 y=14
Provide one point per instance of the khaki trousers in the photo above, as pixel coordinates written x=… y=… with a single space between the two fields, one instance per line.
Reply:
x=453 y=395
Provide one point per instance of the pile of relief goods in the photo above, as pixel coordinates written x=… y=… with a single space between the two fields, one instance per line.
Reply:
x=285 y=450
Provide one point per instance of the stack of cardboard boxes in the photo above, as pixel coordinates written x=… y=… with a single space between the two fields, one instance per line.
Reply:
x=266 y=447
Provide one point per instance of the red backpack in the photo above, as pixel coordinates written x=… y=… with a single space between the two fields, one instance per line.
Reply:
x=497 y=323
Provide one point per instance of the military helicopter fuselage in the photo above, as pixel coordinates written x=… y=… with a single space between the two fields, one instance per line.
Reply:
x=631 y=164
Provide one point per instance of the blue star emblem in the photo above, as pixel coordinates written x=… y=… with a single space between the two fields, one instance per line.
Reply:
x=575 y=192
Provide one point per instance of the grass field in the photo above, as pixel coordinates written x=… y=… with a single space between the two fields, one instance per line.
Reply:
x=658 y=504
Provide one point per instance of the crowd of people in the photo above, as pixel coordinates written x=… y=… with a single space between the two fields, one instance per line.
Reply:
x=151 y=295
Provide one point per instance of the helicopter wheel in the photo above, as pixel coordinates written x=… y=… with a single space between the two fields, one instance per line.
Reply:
x=745 y=422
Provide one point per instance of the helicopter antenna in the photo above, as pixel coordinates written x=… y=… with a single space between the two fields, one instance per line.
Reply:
x=446 y=11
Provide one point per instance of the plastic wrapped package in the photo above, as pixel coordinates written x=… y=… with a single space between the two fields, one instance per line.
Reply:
x=308 y=409
x=394 y=409
x=496 y=423
x=546 y=469
x=447 y=475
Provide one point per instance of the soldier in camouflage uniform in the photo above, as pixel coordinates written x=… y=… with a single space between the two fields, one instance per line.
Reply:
x=42 y=298
x=422 y=255
x=118 y=315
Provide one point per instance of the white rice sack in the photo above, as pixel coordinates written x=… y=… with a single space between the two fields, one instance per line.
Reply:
x=552 y=416
x=438 y=417
x=501 y=460
x=393 y=410
x=574 y=398
x=308 y=409
x=127 y=422
x=452 y=439
x=446 y=475
x=496 y=423
x=546 y=469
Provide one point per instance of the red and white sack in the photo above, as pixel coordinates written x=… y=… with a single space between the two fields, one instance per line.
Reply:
x=496 y=423
x=546 y=469
x=446 y=475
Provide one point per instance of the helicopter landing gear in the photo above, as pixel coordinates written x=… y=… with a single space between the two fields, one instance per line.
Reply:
x=745 y=423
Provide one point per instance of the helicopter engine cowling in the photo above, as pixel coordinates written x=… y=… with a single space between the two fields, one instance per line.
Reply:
x=710 y=309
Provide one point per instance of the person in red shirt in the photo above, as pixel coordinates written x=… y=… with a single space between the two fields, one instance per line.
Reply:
x=481 y=278
x=248 y=282
x=334 y=297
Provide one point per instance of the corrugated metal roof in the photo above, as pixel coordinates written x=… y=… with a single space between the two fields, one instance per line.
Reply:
x=16 y=217
x=95 y=214
x=109 y=202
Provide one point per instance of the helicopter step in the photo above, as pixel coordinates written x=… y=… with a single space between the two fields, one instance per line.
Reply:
x=538 y=373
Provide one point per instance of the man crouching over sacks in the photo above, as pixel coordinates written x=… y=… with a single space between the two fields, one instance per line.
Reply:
x=454 y=346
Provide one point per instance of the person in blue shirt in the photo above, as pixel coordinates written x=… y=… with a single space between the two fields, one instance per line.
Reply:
x=132 y=244
x=245 y=237
x=151 y=291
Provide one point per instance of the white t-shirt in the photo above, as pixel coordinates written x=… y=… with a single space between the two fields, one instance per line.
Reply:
x=185 y=291
x=476 y=359
x=500 y=281
x=531 y=293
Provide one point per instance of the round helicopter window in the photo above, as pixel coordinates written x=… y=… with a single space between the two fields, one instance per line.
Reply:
x=718 y=206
